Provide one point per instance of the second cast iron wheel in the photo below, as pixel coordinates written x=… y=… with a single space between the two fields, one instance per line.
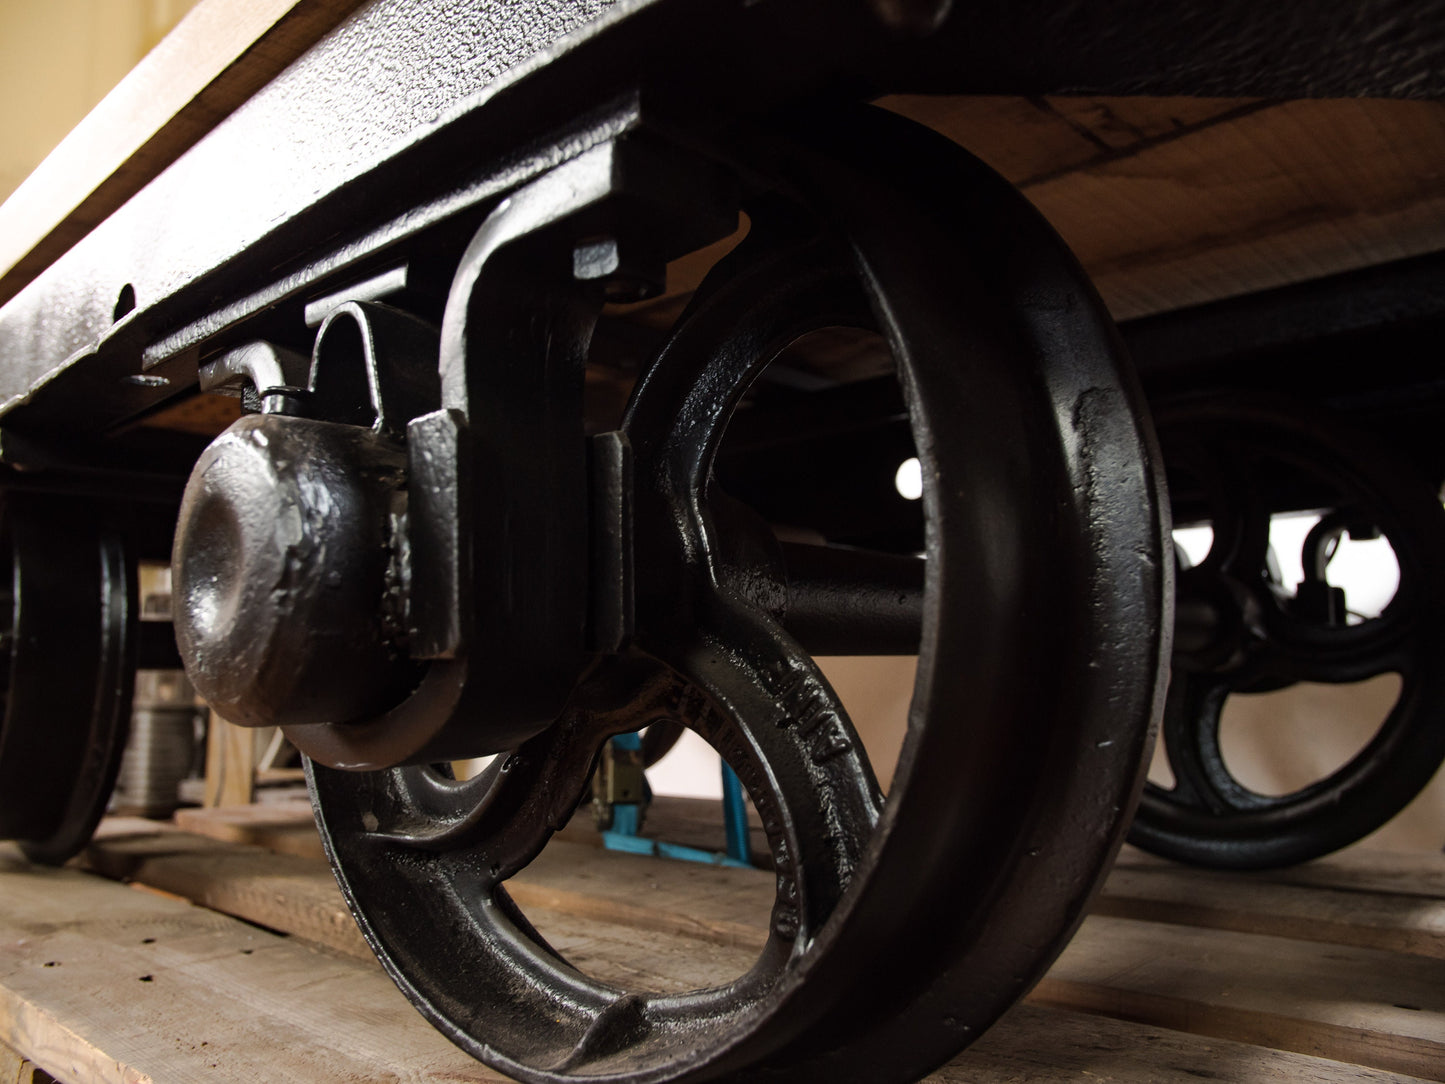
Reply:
x=67 y=669
x=901 y=929
x=1241 y=632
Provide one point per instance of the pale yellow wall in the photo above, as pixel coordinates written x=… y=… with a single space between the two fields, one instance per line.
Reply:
x=58 y=58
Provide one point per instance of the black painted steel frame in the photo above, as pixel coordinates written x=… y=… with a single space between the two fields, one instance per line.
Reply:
x=382 y=105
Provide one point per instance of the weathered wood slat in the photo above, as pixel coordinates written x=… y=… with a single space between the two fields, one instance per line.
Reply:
x=296 y=895
x=146 y=988
x=1357 y=897
x=1362 y=1005
x=1365 y=1006
x=288 y=828
x=15 y=1068
x=1177 y=202
x=102 y=984
x=282 y=892
x=1355 y=869
x=284 y=827
x=1037 y=1045
x=1396 y=921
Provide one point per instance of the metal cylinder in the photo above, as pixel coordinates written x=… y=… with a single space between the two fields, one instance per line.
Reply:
x=853 y=602
x=162 y=744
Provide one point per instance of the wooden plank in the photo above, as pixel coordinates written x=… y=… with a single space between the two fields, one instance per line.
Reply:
x=1377 y=1008
x=1400 y=922
x=1298 y=191
x=102 y=984
x=1355 y=869
x=220 y=54
x=297 y=895
x=1173 y=202
x=143 y=988
x=658 y=962
x=710 y=903
x=1373 y=900
x=230 y=763
x=15 y=1068
x=1033 y=1044
x=284 y=827
x=1127 y=125
x=281 y=892
x=287 y=827
x=1365 y=1006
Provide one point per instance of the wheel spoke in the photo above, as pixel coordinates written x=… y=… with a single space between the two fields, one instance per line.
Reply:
x=759 y=699
x=507 y=813
x=1294 y=651
x=1191 y=741
x=794 y=749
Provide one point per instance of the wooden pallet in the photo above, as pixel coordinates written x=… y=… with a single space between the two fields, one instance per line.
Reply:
x=193 y=958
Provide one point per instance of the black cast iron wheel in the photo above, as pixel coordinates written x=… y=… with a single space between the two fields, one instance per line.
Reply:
x=67 y=659
x=1245 y=635
x=900 y=929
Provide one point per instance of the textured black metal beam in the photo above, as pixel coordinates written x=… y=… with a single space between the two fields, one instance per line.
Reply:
x=410 y=105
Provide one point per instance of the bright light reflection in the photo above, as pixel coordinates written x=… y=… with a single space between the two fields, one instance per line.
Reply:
x=909 y=479
x=1367 y=570
x=1195 y=542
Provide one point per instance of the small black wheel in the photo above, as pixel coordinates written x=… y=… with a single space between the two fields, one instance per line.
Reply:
x=901 y=929
x=67 y=657
x=1232 y=464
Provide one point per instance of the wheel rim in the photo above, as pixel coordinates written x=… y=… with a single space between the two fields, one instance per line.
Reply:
x=70 y=668
x=974 y=873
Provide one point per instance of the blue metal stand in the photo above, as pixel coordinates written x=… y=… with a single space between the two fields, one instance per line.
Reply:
x=626 y=832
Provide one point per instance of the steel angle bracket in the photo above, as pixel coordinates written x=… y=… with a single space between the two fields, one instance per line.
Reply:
x=498 y=492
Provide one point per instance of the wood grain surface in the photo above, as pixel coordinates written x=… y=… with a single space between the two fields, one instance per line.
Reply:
x=102 y=983
x=1362 y=984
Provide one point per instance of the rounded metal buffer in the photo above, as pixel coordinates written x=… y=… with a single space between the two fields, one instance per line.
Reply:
x=1232 y=464
x=282 y=560
x=67 y=669
x=900 y=928
x=289 y=564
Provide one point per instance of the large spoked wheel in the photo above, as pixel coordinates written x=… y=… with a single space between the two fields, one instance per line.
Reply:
x=900 y=928
x=67 y=623
x=1240 y=632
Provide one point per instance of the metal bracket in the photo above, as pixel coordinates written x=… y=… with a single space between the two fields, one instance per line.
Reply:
x=500 y=488
x=373 y=366
x=277 y=376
